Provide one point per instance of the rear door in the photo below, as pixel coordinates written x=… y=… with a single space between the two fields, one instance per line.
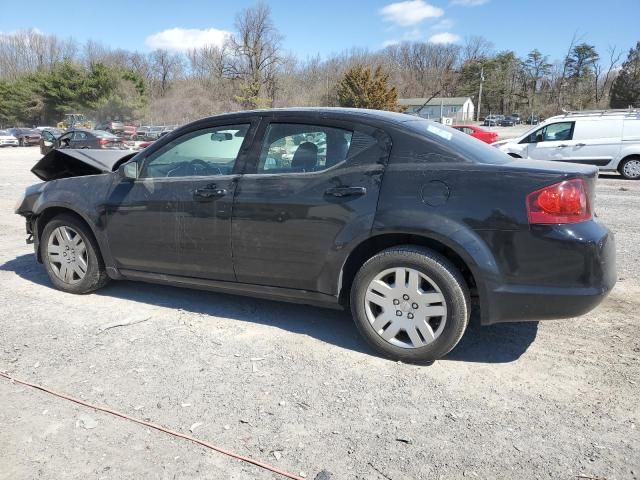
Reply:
x=595 y=141
x=310 y=190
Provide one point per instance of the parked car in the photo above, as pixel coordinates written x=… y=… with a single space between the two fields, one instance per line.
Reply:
x=492 y=120
x=141 y=132
x=609 y=140
x=129 y=132
x=143 y=145
x=167 y=129
x=7 y=139
x=507 y=121
x=533 y=120
x=85 y=138
x=516 y=117
x=477 y=132
x=154 y=133
x=116 y=128
x=403 y=220
x=49 y=139
x=26 y=136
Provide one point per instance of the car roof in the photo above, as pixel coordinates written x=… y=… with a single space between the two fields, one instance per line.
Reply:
x=336 y=113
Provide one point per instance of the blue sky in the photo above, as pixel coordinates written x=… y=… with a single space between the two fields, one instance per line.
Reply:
x=330 y=26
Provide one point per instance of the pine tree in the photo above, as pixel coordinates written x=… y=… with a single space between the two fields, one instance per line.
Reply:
x=360 y=88
x=626 y=87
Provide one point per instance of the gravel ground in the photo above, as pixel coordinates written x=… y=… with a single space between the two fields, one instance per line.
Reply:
x=296 y=387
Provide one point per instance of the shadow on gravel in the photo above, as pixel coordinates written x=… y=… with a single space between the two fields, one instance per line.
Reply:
x=494 y=344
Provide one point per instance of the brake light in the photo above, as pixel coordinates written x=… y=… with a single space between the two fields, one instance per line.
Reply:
x=102 y=141
x=564 y=202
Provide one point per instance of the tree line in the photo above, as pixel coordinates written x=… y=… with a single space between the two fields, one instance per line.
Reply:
x=43 y=76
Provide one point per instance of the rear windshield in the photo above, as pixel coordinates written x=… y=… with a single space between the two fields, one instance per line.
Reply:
x=465 y=146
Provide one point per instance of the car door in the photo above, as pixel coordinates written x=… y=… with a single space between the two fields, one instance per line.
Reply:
x=65 y=141
x=550 y=142
x=47 y=142
x=310 y=190
x=175 y=218
x=596 y=141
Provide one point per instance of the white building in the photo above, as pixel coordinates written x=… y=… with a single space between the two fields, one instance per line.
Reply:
x=457 y=108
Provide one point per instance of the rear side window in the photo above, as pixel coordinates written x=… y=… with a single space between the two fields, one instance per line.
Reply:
x=301 y=148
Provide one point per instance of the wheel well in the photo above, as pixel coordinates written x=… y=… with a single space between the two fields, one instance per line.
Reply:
x=628 y=157
x=46 y=216
x=372 y=246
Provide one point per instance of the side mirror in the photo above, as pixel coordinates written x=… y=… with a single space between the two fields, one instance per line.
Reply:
x=129 y=170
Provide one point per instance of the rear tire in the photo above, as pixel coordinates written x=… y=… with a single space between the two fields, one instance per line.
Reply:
x=629 y=168
x=410 y=304
x=71 y=255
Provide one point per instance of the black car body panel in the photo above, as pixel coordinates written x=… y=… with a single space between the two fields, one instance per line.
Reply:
x=300 y=236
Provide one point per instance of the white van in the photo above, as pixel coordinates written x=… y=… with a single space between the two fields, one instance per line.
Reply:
x=609 y=139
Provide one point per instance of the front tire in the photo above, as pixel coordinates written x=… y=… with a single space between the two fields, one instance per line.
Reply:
x=629 y=168
x=71 y=256
x=410 y=304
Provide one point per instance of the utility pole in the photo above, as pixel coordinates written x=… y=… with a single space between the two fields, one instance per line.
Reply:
x=480 y=93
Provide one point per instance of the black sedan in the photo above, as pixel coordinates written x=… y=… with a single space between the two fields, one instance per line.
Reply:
x=404 y=221
x=507 y=121
x=86 y=138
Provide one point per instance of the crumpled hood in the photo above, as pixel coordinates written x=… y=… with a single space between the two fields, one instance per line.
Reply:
x=76 y=163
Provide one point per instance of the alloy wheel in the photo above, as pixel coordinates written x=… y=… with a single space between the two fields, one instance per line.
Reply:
x=405 y=307
x=67 y=255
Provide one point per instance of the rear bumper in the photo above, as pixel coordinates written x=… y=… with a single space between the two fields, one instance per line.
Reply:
x=570 y=280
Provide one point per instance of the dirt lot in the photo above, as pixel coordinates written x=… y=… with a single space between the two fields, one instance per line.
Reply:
x=558 y=399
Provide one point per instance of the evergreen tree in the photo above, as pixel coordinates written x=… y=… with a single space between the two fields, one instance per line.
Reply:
x=626 y=87
x=361 y=88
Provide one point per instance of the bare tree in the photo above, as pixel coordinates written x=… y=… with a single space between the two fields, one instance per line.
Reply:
x=166 y=67
x=255 y=55
x=476 y=48
x=604 y=76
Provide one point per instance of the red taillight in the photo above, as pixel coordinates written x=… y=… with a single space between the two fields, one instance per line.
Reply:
x=103 y=141
x=564 y=202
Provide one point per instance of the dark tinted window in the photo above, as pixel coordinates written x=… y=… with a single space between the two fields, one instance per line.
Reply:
x=299 y=148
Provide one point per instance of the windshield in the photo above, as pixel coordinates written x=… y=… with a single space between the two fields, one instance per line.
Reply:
x=4 y=132
x=465 y=146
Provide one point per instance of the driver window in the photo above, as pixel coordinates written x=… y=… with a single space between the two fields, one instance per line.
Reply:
x=198 y=154
x=560 y=131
